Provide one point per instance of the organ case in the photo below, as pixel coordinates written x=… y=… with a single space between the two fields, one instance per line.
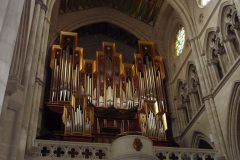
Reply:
x=86 y=88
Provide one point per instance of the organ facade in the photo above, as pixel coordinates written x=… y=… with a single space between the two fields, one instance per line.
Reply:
x=104 y=98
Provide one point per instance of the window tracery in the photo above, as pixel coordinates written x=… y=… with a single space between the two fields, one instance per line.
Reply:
x=217 y=58
x=223 y=45
x=189 y=97
x=230 y=31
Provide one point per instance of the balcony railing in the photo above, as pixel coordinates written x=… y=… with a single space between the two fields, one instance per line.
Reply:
x=51 y=150
x=172 y=153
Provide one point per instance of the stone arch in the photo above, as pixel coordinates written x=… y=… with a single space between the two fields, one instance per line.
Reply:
x=212 y=57
x=179 y=6
x=122 y=22
x=189 y=63
x=194 y=93
x=181 y=108
x=208 y=31
x=228 y=22
x=223 y=6
x=233 y=127
x=198 y=137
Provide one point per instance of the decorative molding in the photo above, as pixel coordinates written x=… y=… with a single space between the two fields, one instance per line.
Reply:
x=207 y=97
x=40 y=82
x=63 y=150
x=44 y=7
x=166 y=153
x=54 y=150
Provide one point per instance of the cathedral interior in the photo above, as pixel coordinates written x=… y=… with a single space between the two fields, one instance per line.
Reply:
x=120 y=79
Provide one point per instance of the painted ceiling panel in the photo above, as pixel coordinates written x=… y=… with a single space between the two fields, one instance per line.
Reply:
x=143 y=10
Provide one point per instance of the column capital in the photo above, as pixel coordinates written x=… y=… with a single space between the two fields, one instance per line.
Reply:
x=40 y=82
x=39 y=2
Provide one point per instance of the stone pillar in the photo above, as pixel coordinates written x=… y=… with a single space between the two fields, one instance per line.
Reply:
x=33 y=92
x=8 y=119
x=3 y=10
x=39 y=85
x=4 y=145
x=229 y=50
x=193 y=103
x=177 y=118
x=9 y=24
x=19 y=138
x=222 y=64
x=215 y=74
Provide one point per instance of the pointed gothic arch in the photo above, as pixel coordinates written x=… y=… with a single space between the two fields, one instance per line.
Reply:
x=228 y=22
x=233 y=126
x=199 y=140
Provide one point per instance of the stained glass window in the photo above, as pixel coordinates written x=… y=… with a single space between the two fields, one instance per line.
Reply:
x=204 y=2
x=180 y=41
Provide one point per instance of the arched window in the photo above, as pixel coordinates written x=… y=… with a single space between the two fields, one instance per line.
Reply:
x=180 y=40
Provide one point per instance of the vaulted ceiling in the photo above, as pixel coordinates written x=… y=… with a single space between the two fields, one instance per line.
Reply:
x=143 y=10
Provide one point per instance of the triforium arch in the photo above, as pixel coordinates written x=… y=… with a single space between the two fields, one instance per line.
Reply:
x=181 y=105
x=233 y=127
x=194 y=92
x=199 y=140
x=228 y=22
x=213 y=58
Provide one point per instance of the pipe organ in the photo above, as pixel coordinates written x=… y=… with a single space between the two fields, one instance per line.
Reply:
x=106 y=95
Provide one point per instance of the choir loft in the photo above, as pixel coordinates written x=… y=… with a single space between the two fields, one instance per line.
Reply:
x=119 y=79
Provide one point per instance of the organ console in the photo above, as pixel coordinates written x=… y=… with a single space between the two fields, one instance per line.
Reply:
x=105 y=96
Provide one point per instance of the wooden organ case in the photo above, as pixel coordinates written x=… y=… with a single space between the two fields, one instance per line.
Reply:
x=104 y=98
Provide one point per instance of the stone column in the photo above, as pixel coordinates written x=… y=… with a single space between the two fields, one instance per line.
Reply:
x=34 y=93
x=9 y=24
x=39 y=84
x=19 y=138
x=193 y=103
x=177 y=118
x=215 y=73
x=4 y=145
x=222 y=64
x=229 y=48
x=8 y=120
